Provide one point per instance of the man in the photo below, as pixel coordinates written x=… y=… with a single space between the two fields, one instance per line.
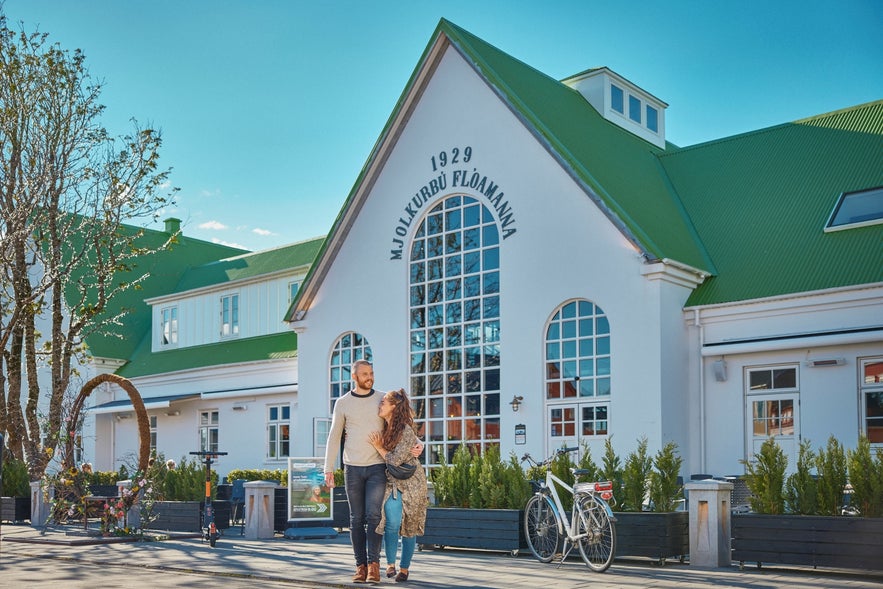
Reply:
x=355 y=415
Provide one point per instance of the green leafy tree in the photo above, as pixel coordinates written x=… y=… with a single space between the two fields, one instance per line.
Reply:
x=765 y=477
x=67 y=188
x=831 y=467
x=865 y=467
x=801 y=488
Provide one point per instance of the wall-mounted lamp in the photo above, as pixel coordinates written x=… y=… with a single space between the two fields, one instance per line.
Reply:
x=516 y=402
x=122 y=416
x=240 y=407
x=825 y=362
x=720 y=370
x=174 y=413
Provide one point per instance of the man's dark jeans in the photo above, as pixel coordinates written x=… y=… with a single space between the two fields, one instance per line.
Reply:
x=365 y=487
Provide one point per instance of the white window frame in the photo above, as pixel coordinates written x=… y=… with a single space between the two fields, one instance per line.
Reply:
x=168 y=326
x=209 y=423
x=229 y=315
x=321 y=429
x=153 y=430
x=279 y=444
x=867 y=387
x=293 y=287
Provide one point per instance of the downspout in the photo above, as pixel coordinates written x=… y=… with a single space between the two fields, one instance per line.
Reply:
x=701 y=335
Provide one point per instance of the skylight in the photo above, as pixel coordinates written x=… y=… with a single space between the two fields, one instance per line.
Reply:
x=857 y=209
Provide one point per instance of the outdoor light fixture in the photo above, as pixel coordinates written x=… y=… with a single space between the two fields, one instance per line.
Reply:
x=516 y=402
x=173 y=413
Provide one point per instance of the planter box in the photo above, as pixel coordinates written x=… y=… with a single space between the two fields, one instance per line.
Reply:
x=654 y=535
x=177 y=516
x=487 y=529
x=826 y=541
x=15 y=509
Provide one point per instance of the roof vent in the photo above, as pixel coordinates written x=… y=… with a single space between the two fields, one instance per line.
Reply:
x=173 y=225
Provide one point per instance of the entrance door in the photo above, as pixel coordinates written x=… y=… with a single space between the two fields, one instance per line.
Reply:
x=777 y=416
x=573 y=423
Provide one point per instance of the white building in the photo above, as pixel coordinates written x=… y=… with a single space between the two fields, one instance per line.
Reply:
x=538 y=266
x=210 y=356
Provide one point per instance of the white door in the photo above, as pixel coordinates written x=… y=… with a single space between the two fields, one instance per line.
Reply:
x=573 y=423
x=774 y=415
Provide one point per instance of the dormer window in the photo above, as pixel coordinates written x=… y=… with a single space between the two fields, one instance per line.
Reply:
x=652 y=118
x=857 y=209
x=617 y=99
x=635 y=109
x=622 y=103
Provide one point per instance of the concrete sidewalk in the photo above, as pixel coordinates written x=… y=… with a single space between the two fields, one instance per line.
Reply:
x=329 y=563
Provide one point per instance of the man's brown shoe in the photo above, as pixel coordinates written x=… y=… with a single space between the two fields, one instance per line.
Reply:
x=361 y=574
x=373 y=572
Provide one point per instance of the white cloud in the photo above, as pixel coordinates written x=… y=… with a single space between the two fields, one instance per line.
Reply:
x=216 y=225
x=263 y=232
x=229 y=244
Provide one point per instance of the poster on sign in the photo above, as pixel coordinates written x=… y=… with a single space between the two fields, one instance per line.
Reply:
x=308 y=497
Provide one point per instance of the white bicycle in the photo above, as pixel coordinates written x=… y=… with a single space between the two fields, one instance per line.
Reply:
x=591 y=524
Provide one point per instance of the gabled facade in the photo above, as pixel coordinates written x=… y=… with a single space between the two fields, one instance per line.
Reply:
x=214 y=364
x=537 y=272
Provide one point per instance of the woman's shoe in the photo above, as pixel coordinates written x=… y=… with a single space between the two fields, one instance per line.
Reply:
x=391 y=571
x=402 y=576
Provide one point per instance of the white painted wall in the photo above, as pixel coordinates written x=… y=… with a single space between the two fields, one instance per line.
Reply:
x=563 y=248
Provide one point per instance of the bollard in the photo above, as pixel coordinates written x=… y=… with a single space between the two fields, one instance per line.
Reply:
x=260 y=503
x=709 y=523
x=41 y=503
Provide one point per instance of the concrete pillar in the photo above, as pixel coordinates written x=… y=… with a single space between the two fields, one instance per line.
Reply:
x=709 y=523
x=40 y=503
x=260 y=501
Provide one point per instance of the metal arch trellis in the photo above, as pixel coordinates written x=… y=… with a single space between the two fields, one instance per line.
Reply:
x=140 y=414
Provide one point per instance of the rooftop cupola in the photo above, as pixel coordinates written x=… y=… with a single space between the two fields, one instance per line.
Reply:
x=622 y=103
x=173 y=225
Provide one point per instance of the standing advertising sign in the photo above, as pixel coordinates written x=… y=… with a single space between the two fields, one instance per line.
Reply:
x=308 y=497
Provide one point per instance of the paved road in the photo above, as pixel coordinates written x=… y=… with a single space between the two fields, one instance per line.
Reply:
x=28 y=560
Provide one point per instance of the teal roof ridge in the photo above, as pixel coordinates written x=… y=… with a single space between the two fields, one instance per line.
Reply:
x=770 y=129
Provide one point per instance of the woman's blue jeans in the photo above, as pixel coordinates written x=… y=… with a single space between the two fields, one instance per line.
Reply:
x=393 y=511
x=365 y=487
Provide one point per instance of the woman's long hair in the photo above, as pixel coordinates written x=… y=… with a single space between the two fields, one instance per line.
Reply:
x=402 y=417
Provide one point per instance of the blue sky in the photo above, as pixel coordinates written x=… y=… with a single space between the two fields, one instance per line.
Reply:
x=269 y=108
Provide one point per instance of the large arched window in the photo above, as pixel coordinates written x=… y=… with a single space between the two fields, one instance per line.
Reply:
x=577 y=373
x=455 y=327
x=349 y=347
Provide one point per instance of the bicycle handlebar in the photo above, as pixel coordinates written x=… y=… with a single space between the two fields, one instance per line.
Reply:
x=558 y=452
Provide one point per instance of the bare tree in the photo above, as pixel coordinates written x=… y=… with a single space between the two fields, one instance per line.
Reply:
x=69 y=195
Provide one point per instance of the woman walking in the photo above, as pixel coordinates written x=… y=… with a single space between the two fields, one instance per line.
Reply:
x=406 y=500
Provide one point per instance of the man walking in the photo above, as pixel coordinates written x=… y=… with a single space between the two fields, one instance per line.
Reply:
x=355 y=416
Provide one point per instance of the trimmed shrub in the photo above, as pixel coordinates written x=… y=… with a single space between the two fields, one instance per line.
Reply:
x=831 y=466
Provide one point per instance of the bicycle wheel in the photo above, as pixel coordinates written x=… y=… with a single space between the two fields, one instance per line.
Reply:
x=598 y=546
x=541 y=528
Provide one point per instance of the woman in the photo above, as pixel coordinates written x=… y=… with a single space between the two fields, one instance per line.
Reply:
x=405 y=502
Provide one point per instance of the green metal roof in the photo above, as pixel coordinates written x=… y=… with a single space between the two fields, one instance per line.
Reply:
x=251 y=265
x=165 y=268
x=760 y=202
x=279 y=346
x=617 y=167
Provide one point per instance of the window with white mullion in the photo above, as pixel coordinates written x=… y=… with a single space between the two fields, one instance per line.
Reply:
x=454 y=327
